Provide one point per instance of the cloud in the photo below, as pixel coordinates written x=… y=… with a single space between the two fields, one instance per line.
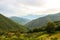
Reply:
x=49 y=11
x=25 y=7
x=32 y=2
x=18 y=8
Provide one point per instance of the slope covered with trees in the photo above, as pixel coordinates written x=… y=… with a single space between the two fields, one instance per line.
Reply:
x=8 y=25
x=43 y=20
x=20 y=20
x=50 y=31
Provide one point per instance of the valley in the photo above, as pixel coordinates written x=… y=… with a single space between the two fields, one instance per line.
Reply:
x=44 y=28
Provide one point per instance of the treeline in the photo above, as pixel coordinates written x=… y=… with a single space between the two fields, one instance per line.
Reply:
x=51 y=27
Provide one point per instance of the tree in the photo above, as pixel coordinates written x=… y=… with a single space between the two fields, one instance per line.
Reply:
x=58 y=27
x=50 y=27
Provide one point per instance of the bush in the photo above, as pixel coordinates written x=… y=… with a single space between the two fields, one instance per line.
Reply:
x=50 y=27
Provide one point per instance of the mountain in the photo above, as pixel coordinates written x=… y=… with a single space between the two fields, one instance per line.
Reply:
x=8 y=25
x=32 y=16
x=19 y=20
x=43 y=20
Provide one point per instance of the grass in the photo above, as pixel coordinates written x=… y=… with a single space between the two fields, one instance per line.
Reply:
x=32 y=36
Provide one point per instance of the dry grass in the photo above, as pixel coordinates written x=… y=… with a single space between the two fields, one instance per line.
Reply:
x=52 y=37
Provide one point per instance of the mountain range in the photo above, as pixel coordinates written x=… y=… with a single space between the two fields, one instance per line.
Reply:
x=25 y=19
x=43 y=20
x=16 y=23
x=32 y=16
x=19 y=20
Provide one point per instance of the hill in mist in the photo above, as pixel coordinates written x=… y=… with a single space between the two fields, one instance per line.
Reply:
x=43 y=20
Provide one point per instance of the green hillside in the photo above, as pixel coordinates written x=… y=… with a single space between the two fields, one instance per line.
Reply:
x=8 y=25
x=19 y=20
x=49 y=32
x=43 y=20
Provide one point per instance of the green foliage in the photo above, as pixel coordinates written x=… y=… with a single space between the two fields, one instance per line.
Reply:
x=50 y=27
x=9 y=30
x=43 y=21
x=54 y=38
x=42 y=29
x=58 y=25
x=8 y=25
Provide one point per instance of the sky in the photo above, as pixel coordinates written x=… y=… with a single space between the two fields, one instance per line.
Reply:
x=26 y=7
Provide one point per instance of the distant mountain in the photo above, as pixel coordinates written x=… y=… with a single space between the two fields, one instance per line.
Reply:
x=43 y=20
x=32 y=16
x=8 y=25
x=20 y=20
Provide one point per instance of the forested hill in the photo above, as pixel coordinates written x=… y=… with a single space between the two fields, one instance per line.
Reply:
x=19 y=20
x=43 y=20
x=8 y=25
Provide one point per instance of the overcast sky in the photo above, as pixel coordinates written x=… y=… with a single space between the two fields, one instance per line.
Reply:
x=25 y=7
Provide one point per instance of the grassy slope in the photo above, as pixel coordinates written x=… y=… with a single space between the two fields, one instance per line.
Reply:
x=47 y=37
x=8 y=25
